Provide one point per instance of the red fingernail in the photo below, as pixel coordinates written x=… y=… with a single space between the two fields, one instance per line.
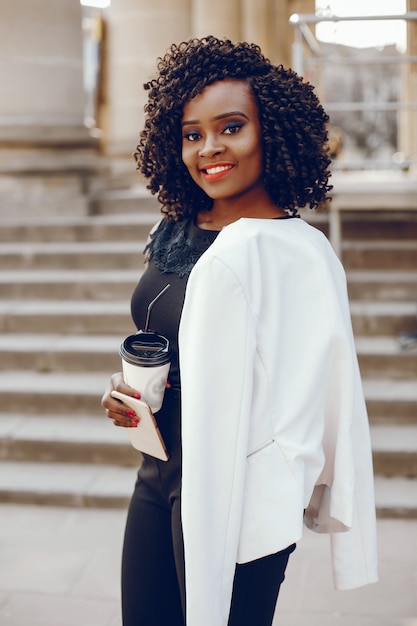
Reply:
x=137 y=396
x=130 y=413
x=135 y=421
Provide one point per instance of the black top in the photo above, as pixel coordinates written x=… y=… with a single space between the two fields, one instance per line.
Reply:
x=174 y=249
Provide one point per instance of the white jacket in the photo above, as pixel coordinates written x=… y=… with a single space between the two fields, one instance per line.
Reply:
x=273 y=415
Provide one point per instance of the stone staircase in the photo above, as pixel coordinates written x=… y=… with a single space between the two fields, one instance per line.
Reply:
x=65 y=288
x=380 y=257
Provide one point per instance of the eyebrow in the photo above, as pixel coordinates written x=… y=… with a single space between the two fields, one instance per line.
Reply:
x=218 y=117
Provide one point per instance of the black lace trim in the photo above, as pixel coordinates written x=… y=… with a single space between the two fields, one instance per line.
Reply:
x=175 y=247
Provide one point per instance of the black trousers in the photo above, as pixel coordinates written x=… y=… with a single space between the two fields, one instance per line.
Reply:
x=153 y=587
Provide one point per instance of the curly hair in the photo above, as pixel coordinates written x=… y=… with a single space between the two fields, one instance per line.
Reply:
x=293 y=122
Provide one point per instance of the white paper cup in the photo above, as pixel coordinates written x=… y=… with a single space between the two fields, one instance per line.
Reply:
x=146 y=358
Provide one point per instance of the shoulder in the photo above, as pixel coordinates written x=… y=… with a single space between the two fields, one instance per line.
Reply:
x=255 y=252
x=276 y=238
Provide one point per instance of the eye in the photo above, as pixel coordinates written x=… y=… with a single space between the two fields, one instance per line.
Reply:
x=232 y=128
x=191 y=135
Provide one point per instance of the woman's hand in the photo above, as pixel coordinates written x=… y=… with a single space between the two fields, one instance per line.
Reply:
x=121 y=414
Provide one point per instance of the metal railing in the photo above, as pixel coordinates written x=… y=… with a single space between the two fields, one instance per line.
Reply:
x=308 y=57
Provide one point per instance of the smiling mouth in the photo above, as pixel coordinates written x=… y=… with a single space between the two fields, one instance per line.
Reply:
x=216 y=171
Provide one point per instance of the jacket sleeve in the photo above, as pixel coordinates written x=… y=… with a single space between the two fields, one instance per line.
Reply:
x=343 y=501
x=216 y=343
x=354 y=553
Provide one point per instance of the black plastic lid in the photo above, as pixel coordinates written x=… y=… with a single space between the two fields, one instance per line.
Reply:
x=146 y=348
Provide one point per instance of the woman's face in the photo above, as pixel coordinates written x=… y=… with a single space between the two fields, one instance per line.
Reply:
x=222 y=142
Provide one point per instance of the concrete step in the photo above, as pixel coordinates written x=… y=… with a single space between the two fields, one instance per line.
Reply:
x=394 y=449
x=94 y=439
x=65 y=439
x=25 y=391
x=88 y=485
x=59 y=353
x=366 y=255
x=384 y=357
x=372 y=225
x=62 y=484
x=105 y=284
x=52 y=393
x=103 y=255
x=383 y=318
x=391 y=401
x=69 y=284
x=120 y=223
x=66 y=317
x=377 y=255
x=382 y=285
x=378 y=356
x=117 y=227
x=111 y=284
x=396 y=497
x=102 y=317
x=131 y=200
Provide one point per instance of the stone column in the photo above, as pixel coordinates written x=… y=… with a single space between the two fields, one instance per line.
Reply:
x=139 y=31
x=47 y=155
x=220 y=18
x=266 y=22
x=257 y=25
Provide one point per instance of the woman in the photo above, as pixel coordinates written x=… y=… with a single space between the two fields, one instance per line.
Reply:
x=266 y=426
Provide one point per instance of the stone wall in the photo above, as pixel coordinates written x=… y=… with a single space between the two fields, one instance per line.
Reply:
x=48 y=159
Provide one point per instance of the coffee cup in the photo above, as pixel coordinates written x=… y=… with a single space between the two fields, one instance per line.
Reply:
x=146 y=358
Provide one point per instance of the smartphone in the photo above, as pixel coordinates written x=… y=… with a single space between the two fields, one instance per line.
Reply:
x=146 y=436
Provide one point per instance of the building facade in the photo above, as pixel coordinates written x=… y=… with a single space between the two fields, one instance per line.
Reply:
x=50 y=160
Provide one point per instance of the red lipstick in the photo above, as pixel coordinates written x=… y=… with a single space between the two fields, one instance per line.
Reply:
x=215 y=171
